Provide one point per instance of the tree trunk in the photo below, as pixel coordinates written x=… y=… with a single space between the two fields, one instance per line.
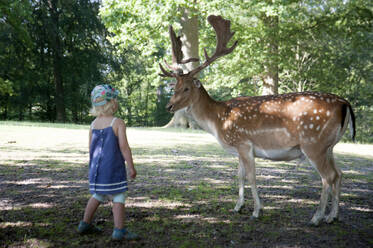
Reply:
x=270 y=81
x=270 y=77
x=146 y=120
x=189 y=24
x=57 y=63
x=4 y=115
x=129 y=91
x=60 y=105
x=179 y=119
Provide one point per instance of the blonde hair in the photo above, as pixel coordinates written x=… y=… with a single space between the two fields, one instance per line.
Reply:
x=107 y=109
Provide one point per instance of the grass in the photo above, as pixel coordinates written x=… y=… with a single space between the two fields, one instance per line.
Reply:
x=43 y=124
x=183 y=196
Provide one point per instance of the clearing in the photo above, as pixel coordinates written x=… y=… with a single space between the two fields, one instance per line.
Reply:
x=184 y=194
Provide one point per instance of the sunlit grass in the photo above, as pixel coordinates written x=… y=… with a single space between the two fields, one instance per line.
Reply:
x=44 y=124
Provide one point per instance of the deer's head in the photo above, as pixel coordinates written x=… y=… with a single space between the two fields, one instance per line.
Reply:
x=187 y=87
x=186 y=91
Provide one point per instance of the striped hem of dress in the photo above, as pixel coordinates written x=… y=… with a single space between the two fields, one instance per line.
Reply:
x=97 y=187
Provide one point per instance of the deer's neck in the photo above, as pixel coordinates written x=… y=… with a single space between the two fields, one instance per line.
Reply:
x=205 y=111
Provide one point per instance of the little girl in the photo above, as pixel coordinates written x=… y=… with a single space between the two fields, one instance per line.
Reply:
x=108 y=151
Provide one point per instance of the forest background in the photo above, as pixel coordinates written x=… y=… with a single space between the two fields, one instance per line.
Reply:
x=53 y=52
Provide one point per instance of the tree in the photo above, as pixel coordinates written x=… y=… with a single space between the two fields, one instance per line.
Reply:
x=293 y=45
x=123 y=18
x=52 y=54
x=289 y=45
x=133 y=17
x=14 y=41
x=189 y=36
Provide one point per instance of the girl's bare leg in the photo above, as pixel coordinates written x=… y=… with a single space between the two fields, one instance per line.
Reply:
x=118 y=212
x=90 y=210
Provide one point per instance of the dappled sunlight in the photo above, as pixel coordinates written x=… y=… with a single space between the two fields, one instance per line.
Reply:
x=276 y=197
x=287 y=187
x=359 y=190
x=153 y=203
x=362 y=209
x=30 y=181
x=40 y=243
x=16 y=224
x=215 y=166
x=353 y=172
x=197 y=218
x=67 y=184
x=188 y=217
x=304 y=201
x=6 y=204
x=45 y=183
x=215 y=181
x=271 y=208
x=185 y=180
x=288 y=181
x=171 y=160
x=41 y=205
x=10 y=205
x=37 y=158
x=267 y=177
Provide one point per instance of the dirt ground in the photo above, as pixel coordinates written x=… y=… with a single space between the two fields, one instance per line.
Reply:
x=184 y=195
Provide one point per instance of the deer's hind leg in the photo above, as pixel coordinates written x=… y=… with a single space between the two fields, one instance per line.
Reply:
x=335 y=190
x=331 y=176
x=241 y=187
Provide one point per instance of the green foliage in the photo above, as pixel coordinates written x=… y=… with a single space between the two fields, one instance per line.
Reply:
x=315 y=45
x=312 y=45
x=6 y=87
x=28 y=61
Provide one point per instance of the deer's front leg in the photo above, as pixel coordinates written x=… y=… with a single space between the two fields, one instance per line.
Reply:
x=247 y=168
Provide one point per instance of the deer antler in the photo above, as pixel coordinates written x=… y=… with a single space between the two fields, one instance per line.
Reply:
x=177 y=56
x=166 y=73
x=223 y=35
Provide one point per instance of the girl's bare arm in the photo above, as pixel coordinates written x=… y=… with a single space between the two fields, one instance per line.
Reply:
x=125 y=148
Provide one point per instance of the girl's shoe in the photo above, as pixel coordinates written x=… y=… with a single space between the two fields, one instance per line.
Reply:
x=120 y=234
x=85 y=228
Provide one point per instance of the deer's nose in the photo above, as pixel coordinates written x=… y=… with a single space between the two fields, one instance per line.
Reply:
x=169 y=107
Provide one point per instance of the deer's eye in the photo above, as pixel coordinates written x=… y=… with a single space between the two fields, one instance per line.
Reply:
x=186 y=89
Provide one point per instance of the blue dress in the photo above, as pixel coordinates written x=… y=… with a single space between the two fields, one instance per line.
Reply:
x=107 y=171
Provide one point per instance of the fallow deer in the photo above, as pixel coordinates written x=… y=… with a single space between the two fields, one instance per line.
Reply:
x=276 y=127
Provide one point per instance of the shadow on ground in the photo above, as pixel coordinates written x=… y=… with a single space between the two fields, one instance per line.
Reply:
x=184 y=198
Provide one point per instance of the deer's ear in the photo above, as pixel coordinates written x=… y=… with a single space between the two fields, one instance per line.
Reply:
x=197 y=83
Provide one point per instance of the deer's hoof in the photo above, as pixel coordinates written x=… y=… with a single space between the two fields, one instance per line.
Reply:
x=331 y=219
x=253 y=218
x=314 y=223
x=256 y=214
x=238 y=208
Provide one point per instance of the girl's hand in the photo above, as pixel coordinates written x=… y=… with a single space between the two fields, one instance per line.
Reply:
x=132 y=173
